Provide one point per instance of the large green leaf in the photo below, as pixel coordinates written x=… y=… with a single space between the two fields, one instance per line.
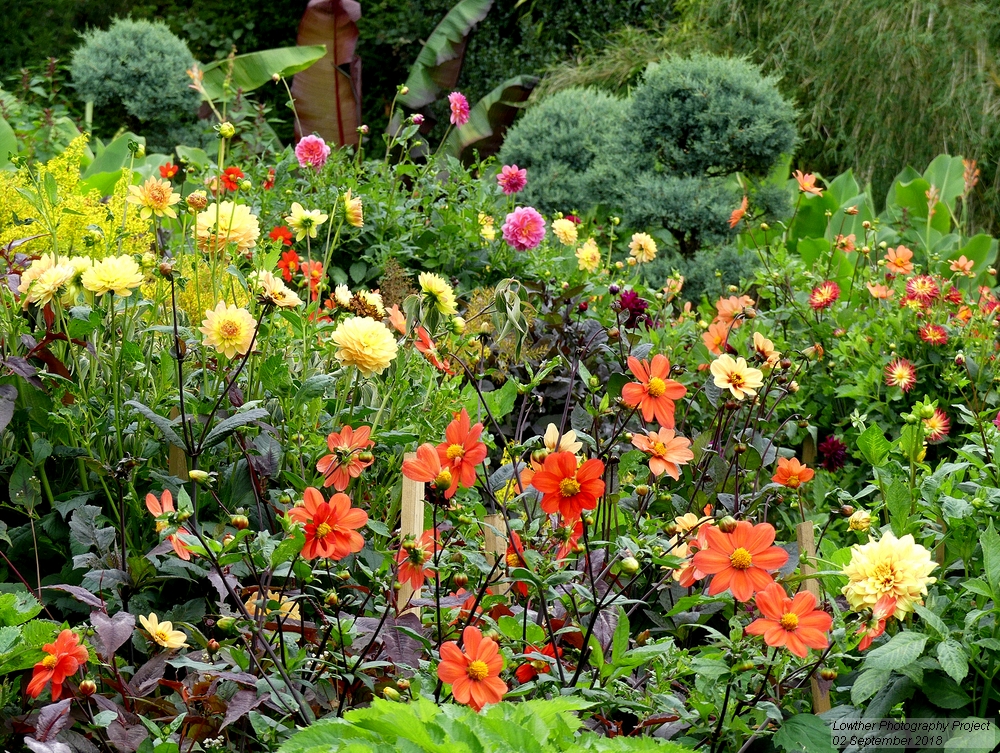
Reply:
x=8 y=142
x=328 y=99
x=902 y=650
x=490 y=118
x=810 y=216
x=805 y=732
x=947 y=175
x=440 y=61
x=253 y=70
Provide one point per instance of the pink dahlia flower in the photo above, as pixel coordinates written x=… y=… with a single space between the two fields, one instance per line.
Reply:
x=512 y=179
x=459 y=109
x=524 y=228
x=312 y=151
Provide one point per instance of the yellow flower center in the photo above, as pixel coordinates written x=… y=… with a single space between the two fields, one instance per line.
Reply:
x=229 y=329
x=161 y=526
x=656 y=387
x=322 y=530
x=477 y=670
x=513 y=560
x=659 y=448
x=162 y=636
x=736 y=380
x=49 y=661
x=741 y=559
x=455 y=451
x=443 y=480
x=793 y=482
x=569 y=487
x=790 y=621
x=884 y=577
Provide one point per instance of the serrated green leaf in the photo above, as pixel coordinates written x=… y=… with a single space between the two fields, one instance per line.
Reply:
x=901 y=650
x=806 y=733
x=954 y=659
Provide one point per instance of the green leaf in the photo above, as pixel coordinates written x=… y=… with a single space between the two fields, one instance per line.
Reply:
x=867 y=684
x=18 y=607
x=898 y=501
x=947 y=175
x=619 y=642
x=490 y=117
x=288 y=548
x=226 y=427
x=954 y=659
x=8 y=142
x=165 y=425
x=254 y=69
x=439 y=63
x=990 y=541
x=115 y=156
x=806 y=733
x=933 y=621
x=902 y=649
x=873 y=445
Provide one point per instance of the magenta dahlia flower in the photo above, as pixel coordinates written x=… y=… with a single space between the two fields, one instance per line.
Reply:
x=312 y=151
x=459 y=109
x=523 y=228
x=512 y=179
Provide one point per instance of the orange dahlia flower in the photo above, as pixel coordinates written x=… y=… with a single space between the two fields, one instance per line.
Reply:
x=667 y=452
x=427 y=467
x=474 y=674
x=411 y=559
x=807 y=183
x=792 y=473
x=898 y=261
x=349 y=456
x=793 y=623
x=739 y=213
x=740 y=560
x=884 y=609
x=162 y=509
x=567 y=489
x=329 y=526
x=462 y=451
x=65 y=657
x=655 y=393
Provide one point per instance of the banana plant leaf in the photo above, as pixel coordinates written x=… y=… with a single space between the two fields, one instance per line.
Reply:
x=328 y=99
x=8 y=142
x=253 y=70
x=490 y=118
x=440 y=61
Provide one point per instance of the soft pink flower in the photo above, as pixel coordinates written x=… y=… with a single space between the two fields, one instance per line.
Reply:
x=418 y=119
x=312 y=151
x=459 y=109
x=524 y=228
x=512 y=179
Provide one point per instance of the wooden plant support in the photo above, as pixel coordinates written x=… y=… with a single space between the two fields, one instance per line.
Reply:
x=177 y=463
x=411 y=523
x=805 y=535
x=496 y=545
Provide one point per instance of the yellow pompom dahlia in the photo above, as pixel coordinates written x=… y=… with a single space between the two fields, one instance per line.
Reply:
x=899 y=568
x=589 y=256
x=439 y=291
x=366 y=344
x=565 y=231
x=228 y=329
x=116 y=274
x=225 y=223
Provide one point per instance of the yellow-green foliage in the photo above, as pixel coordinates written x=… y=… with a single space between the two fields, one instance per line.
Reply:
x=82 y=223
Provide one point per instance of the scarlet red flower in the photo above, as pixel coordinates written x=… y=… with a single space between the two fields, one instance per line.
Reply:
x=792 y=473
x=65 y=657
x=414 y=555
x=474 y=674
x=462 y=451
x=427 y=468
x=933 y=334
x=937 y=426
x=168 y=170
x=515 y=558
x=667 y=452
x=313 y=273
x=793 y=623
x=349 y=456
x=655 y=393
x=884 y=609
x=268 y=183
x=923 y=288
x=329 y=526
x=567 y=489
x=231 y=177
x=529 y=670
x=284 y=234
x=824 y=295
x=568 y=537
x=740 y=560
x=424 y=344
x=900 y=373
x=288 y=265
x=163 y=509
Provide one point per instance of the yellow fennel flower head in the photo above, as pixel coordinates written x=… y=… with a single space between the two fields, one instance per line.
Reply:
x=155 y=197
x=642 y=248
x=48 y=284
x=487 y=228
x=353 y=211
x=439 y=291
x=163 y=633
x=304 y=221
x=899 y=568
x=227 y=223
x=115 y=274
x=588 y=256
x=365 y=343
x=228 y=329
x=273 y=291
x=565 y=231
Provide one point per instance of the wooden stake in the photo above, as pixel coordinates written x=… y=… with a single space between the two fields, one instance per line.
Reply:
x=177 y=462
x=411 y=523
x=496 y=544
x=805 y=535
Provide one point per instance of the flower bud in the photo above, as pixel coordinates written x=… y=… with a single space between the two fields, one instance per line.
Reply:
x=847 y=510
x=630 y=565
x=140 y=151
x=588 y=520
x=212 y=646
x=744 y=666
x=226 y=624
x=785 y=363
x=88 y=688
x=276 y=77
x=740 y=448
x=538 y=456
x=960 y=359
x=927 y=411
x=457 y=325
x=403 y=684
x=228 y=539
x=390 y=693
x=765 y=227
x=245 y=185
x=332 y=599
x=613 y=333
x=461 y=580
x=793 y=386
x=860 y=521
x=750 y=312
x=614 y=289
x=851 y=210
x=227 y=130
x=642 y=490
x=239 y=522
x=866 y=225
x=728 y=524
x=418 y=119
x=167 y=270
x=366 y=456
x=363 y=129
x=643 y=638
x=197 y=201
x=582 y=306
x=828 y=674
x=403 y=89
x=493 y=635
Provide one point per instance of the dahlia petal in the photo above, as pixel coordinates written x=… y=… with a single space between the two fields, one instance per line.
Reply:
x=721 y=542
x=760 y=626
x=760 y=537
x=153 y=504
x=770 y=559
x=795 y=645
x=721 y=582
x=638 y=368
x=772 y=601
x=461 y=689
x=633 y=394
x=803 y=603
x=471 y=639
x=741 y=585
x=813 y=638
x=776 y=635
x=711 y=561
x=758 y=579
x=478 y=694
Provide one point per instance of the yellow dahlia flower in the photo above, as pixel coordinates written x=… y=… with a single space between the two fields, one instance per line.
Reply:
x=366 y=344
x=888 y=567
x=374 y=300
x=227 y=223
x=163 y=633
x=228 y=329
x=439 y=291
x=155 y=197
x=116 y=274
x=274 y=291
x=642 y=248
x=286 y=609
x=589 y=256
x=353 y=211
x=304 y=221
x=565 y=231
x=736 y=376
x=487 y=228
x=47 y=285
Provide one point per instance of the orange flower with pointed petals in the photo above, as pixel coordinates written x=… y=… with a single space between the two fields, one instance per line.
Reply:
x=568 y=537
x=349 y=456
x=899 y=261
x=397 y=319
x=567 y=489
x=667 y=451
x=425 y=345
x=881 y=292
x=414 y=555
x=740 y=560
x=884 y=609
x=792 y=473
x=793 y=623
x=900 y=373
x=529 y=670
x=427 y=467
x=462 y=451
x=729 y=308
x=163 y=509
x=739 y=213
x=655 y=393
x=474 y=674
x=65 y=657
x=329 y=526
x=807 y=183
x=715 y=337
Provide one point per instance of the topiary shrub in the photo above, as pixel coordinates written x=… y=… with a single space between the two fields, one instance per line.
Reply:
x=137 y=69
x=557 y=141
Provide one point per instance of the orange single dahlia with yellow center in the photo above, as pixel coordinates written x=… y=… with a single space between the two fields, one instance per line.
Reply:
x=741 y=559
